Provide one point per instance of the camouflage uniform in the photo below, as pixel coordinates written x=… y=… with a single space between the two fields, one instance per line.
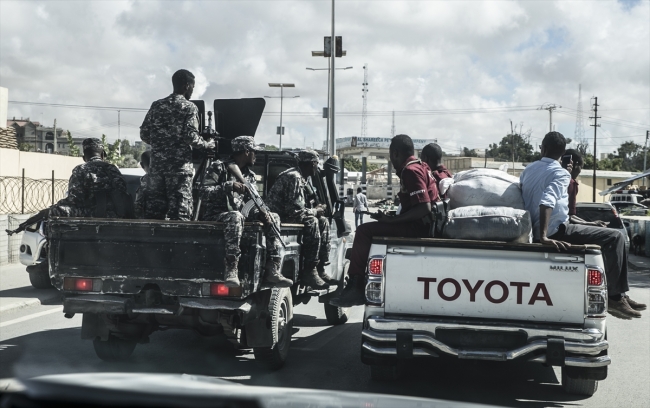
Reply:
x=171 y=128
x=86 y=181
x=225 y=205
x=141 y=196
x=287 y=198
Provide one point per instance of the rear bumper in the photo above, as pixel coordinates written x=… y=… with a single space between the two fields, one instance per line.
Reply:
x=108 y=304
x=385 y=337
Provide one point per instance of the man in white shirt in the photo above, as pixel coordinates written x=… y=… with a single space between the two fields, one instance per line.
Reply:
x=360 y=205
x=544 y=185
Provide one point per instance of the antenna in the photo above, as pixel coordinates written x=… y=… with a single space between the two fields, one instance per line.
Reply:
x=579 y=134
x=392 y=128
x=364 y=112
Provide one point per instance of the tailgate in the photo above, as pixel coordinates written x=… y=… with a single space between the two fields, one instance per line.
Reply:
x=484 y=283
x=129 y=254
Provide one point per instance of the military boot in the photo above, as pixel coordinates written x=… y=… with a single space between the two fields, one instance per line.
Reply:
x=353 y=294
x=274 y=275
x=324 y=275
x=232 y=274
x=310 y=277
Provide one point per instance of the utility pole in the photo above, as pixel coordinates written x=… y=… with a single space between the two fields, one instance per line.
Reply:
x=364 y=112
x=55 y=141
x=281 y=86
x=392 y=128
x=595 y=125
x=645 y=153
x=332 y=108
x=119 y=135
x=550 y=107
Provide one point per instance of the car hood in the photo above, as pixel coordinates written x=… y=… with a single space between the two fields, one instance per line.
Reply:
x=183 y=390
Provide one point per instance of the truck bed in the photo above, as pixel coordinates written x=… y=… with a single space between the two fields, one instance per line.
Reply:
x=177 y=257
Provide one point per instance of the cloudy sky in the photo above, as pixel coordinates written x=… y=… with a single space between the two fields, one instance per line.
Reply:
x=458 y=71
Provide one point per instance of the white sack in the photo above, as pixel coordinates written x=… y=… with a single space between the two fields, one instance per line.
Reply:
x=444 y=185
x=489 y=224
x=485 y=187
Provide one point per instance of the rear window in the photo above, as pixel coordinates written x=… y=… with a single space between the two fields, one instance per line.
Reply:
x=600 y=214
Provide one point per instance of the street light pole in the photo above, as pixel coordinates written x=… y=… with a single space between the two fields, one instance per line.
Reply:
x=332 y=109
x=281 y=86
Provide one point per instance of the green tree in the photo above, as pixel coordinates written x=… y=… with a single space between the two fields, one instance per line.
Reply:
x=25 y=147
x=469 y=152
x=517 y=143
x=354 y=164
x=74 y=149
x=271 y=148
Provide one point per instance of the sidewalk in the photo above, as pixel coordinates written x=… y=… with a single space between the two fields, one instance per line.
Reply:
x=16 y=292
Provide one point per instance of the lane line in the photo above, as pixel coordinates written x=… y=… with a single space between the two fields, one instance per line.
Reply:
x=31 y=316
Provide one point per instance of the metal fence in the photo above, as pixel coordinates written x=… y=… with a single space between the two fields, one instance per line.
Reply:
x=21 y=195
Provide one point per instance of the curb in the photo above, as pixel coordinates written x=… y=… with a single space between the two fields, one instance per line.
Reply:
x=28 y=303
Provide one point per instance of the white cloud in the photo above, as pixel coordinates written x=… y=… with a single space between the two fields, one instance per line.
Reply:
x=421 y=55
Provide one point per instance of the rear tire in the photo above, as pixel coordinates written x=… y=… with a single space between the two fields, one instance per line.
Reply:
x=578 y=386
x=386 y=372
x=281 y=312
x=336 y=315
x=40 y=279
x=114 y=349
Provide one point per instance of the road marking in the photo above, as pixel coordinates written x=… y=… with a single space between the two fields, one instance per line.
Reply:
x=32 y=316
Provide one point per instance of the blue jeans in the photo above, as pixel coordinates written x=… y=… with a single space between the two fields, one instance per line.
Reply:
x=358 y=218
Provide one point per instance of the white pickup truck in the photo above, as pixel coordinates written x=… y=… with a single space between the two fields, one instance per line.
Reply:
x=428 y=298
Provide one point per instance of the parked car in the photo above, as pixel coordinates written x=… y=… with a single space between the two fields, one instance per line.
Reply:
x=603 y=212
x=33 y=246
x=630 y=208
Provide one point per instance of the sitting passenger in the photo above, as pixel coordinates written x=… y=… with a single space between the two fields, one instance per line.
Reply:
x=544 y=186
x=432 y=155
x=96 y=188
x=140 y=194
x=224 y=200
x=287 y=198
x=418 y=190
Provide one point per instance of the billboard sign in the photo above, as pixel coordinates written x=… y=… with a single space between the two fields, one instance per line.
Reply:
x=377 y=142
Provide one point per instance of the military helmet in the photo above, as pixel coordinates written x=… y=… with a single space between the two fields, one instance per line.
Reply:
x=242 y=143
x=93 y=144
x=308 y=156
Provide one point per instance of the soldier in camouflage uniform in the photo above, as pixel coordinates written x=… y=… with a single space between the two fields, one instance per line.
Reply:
x=88 y=181
x=287 y=198
x=224 y=198
x=140 y=194
x=171 y=128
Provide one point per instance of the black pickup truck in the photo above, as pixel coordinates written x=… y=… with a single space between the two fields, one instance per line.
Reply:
x=131 y=277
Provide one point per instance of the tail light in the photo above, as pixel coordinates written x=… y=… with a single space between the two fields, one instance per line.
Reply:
x=82 y=284
x=596 y=292
x=376 y=266
x=375 y=286
x=220 y=289
x=594 y=277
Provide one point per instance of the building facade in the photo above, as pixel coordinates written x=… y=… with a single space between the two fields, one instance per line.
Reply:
x=32 y=136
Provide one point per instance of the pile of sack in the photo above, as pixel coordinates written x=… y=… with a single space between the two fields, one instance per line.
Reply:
x=486 y=204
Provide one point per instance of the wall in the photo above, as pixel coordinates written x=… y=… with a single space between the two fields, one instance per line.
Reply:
x=4 y=104
x=36 y=165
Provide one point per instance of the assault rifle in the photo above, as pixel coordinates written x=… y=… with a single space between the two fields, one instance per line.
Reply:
x=208 y=157
x=40 y=216
x=257 y=200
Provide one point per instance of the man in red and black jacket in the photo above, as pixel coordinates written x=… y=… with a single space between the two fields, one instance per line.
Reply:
x=432 y=156
x=418 y=190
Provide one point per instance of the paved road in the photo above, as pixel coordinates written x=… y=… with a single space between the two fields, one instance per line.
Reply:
x=38 y=340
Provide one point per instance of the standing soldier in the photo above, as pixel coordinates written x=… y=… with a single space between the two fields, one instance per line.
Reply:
x=287 y=198
x=171 y=128
x=224 y=199
x=96 y=188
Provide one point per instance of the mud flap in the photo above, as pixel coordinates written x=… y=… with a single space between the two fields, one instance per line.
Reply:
x=257 y=322
x=93 y=326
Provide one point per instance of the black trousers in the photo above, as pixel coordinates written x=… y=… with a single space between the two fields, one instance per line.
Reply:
x=612 y=245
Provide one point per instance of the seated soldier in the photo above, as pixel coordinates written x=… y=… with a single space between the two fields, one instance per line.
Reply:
x=96 y=188
x=145 y=160
x=224 y=199
x=418 y=190
x=432 y=156
x=287 y=198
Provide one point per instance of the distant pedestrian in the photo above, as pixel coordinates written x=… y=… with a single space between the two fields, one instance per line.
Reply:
x=360 y=205
x=171 y=127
